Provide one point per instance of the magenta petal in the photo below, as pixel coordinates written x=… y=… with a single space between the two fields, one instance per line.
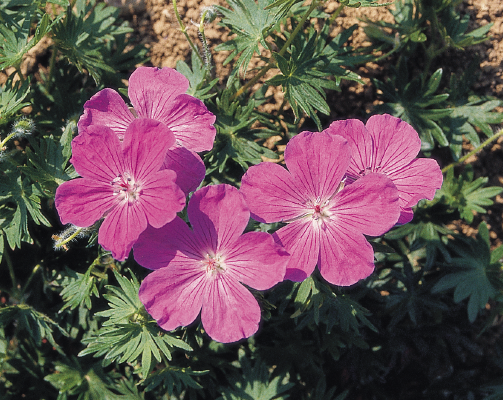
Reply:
x=108 y=109
x=218 y=215
x=370 y=205
x=97 y=154
x=83 y=201
x=145 y=145
x=174 y=244
x=121 y=228
x=317 y=161
x=418 y=180
x=271 y=193
x=191 y=123
x=152 y=91
x=161 y=198
x=406 y=215
x=189 y=168
x=360 y=141
x=396 y=143
x=256 y=260
x=173 y=296
x=230 y=312
x=345 y=255
x=301 y=240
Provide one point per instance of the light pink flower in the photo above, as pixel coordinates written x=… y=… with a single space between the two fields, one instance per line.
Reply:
x=121 y=183
x=387 y=145
x=159 y=94
x=326 y=222
x=203 y=269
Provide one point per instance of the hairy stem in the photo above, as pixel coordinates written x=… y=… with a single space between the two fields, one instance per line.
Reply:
x=471 y=153
x=184 y=31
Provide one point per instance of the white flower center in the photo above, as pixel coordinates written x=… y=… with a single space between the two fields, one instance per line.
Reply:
x=213 y=265
x=125 y=187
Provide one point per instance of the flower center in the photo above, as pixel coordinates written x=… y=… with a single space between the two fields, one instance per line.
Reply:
x=125 y=187
x=319 y=210
x=213 y=265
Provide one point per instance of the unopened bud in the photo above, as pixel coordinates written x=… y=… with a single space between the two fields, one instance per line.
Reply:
x=22 y=127
x=208 y=14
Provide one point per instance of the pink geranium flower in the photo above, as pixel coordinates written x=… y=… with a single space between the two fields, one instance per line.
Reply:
x=121 y=183
x=203 y=269
x=326 y=222
x=159 y=94
x=387 y=145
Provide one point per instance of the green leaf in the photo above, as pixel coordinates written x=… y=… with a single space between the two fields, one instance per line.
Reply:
x=26 y=197
x=250 y=21
x=199 y=87
x=34 y=323
x=78 y=289
x=413 y=102
x=11 y=99
x=465 y=194
x=129 y=334
x=255 y=383
x=173 y=379
x=471 y=273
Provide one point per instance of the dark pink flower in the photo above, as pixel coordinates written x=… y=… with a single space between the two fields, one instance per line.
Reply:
x=202 y=269
x=326 y=222
x=387 y=145
x=159 y=94
x=121 y=183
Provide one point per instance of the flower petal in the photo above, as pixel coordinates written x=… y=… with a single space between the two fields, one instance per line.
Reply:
x=97 y=154
x=173 y=296
x=256 y=260
x=360 y=141
x=396 y=143
x=108 y=109
x=218 y=215
x=174 y=244
x=302 y=240
x=189 y=168
x=271 y=193
x=191 y=123
x=83 y=201
x=161 y=198
x=145 y=145
x=121 y=229
x=418 y=180
x=369 y=205
x=152 y=91
x=230 y=312
x=345 y=255
x=317 y=161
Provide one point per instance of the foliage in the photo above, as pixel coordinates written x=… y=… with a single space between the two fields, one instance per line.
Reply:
x=71 y=322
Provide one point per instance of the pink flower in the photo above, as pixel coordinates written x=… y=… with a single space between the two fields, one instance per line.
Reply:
x=201 y=269
x=326 y=222
x=121 y=183
x=387 y=145
x=159 y=94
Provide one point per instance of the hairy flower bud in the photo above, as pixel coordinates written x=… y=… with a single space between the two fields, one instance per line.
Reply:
x=22 y=127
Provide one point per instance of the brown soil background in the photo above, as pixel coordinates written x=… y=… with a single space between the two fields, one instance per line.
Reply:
x=156 y=27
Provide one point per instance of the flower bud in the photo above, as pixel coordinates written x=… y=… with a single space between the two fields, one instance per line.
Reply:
x=22 y=127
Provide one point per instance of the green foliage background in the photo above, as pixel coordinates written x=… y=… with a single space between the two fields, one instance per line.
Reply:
x=71 y=323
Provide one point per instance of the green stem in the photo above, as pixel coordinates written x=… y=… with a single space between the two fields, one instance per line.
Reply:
x=35 y=270
x=69 y=238
x=184 y=31
x=471 y=153
x=4 y=142
x=336 y=14
x=52 y=64
x=20 y=74
x=11 y=271
x=283 y=50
